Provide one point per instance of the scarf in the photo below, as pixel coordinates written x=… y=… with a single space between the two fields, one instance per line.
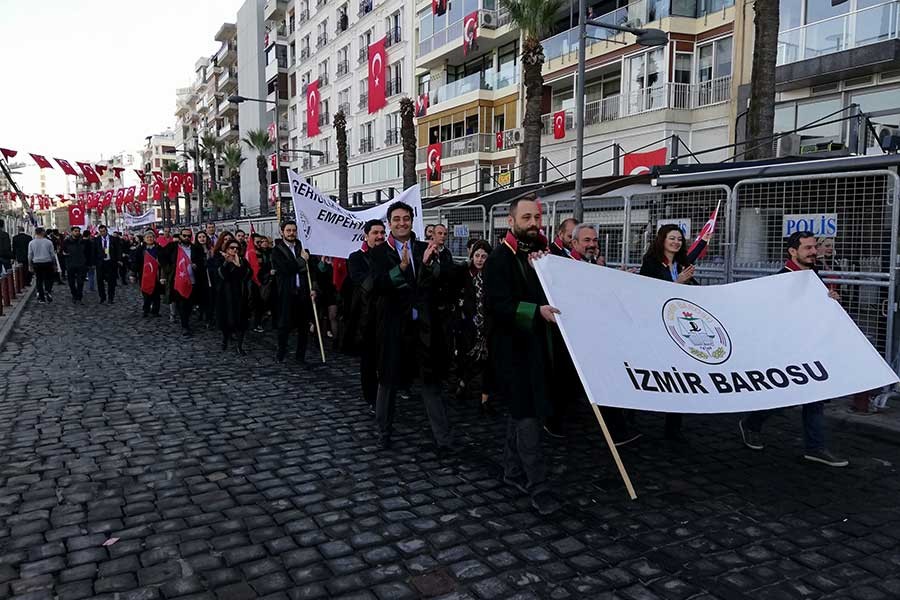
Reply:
x=479 y=350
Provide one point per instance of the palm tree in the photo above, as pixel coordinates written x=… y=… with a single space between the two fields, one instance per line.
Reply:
x=220 y=200
x=534 y=18
x=167 y=169
x=340 y=128
x=210 y=148
x=258 y=140
x=233 y=158
x=761 y=116
x=408 y=138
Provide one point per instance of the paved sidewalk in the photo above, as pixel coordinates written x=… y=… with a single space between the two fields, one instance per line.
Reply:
x=135 y=463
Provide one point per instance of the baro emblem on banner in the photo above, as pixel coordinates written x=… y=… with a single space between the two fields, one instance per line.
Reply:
x=303 y=225
x=696 y=332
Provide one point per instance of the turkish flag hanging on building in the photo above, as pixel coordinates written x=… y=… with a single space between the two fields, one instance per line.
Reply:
x=438 y=7
x=272 y=131
x=422 y=105
x=157 y=191
x=157 y=177
x=499 y=140
x=80 y=197
x=183 y=283
x=117 y=172
x=174 y=186
x=377 y=59
x=101 y=169
x=433 y=162
x=273 y=194
x=76 y=215
x=42 y=161
x=150 y=274
x=129 y=196
x=639 y=163
x=470 y=33
x=273 y=162
x=187 y=182
x=66 y=167
x=140 y=174
x=90 y=175
x=107 y=199
x=6 y=152
x=142 y=193
x=559 y=124
x=312 y=108
x=120 y=199
x=92 y=200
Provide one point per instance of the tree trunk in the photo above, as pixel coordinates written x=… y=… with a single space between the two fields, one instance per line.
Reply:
x=761 y=116
x=532 y=61
x=236 y=195
x=210 y=167
x=408 y=137
x=263 y=184
x=340 y=128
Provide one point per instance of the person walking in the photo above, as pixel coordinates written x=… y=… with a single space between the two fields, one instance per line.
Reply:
x=293 y=296
x=42 y=262
x=194 y=269
x=6 y=248
x=108 y=257
x=360 y=324
x=146 y=268
x=20 y=243
x=472 y=330
x=233 y=297
x=77 y=252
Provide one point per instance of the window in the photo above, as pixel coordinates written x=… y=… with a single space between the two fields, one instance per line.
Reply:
x=292 y=117
x=344 y=100
x=424 y=85
x=342 y=20
x=714 y=60
x=645 y=84
x=683 y=63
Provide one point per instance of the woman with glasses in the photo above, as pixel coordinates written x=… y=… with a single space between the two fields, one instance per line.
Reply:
x=233 y=296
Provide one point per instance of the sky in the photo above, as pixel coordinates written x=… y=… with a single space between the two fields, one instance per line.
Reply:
x=85 y=79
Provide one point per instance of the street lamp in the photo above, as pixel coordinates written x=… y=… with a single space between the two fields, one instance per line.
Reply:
x=645 y=37
x=236 y=99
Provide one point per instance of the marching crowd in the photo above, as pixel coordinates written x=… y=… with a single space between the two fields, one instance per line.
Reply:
x=404 y=307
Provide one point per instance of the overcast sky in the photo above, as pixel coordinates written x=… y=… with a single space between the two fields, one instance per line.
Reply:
x=83 y=79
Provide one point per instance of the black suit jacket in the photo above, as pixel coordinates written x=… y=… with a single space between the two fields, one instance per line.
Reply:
x=20 y=243
x=292 y=302
x=115 y=251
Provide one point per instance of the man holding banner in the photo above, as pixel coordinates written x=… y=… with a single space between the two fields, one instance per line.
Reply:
x=522 y=322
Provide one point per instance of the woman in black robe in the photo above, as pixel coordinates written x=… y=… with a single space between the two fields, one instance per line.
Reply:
x=233 y=297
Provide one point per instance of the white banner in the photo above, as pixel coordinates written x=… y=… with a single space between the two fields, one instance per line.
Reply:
x=328 y=229
x=148 y=218
x=647 y=344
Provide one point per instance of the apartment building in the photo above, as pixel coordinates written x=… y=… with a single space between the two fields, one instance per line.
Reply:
x=473 y=94
x=328 y=41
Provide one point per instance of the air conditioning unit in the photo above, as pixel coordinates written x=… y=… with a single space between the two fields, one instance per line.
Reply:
x=889 y=138
x=514 y=137
x=787 y=145
x=488 y=20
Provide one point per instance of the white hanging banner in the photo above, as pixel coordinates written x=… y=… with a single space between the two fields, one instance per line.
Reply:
x=647 y=344
x=148 y=218
x=327 y=229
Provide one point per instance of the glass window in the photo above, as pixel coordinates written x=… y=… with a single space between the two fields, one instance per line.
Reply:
x=426 y=24
x=683 y=67
x=723 y=57
x=813 y=111
x=816 y=10
x=454 y=13
x=790 y=14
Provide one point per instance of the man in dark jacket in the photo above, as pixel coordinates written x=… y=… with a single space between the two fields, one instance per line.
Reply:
x=196 y=273
x=522 y=319
x=403 y=270
x=801 y=250
x=107 y=255
x=20 y=243
x=77 y=251
x=6 y=249
x=562 y=244
x=293 y=296
x=361 y=320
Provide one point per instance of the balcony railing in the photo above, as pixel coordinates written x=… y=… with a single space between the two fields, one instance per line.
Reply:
x=453 y=33
x=322 y=40
x=304 y=53
x=363 y=100
x=468 y=144
x=344 y=107
x=633 y=15
x=366 y=145
x=392 y=36
x=393 y=86
x=488 y=80
x=365 y=7
x=303 y=17
x=677 y=96
x=324 y=119
x=323 y=79
x=343 y=67
x=852 y=30
x=392 y=137
x=363 y=56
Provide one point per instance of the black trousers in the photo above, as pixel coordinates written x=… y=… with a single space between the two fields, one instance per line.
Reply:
x=44 y=273
x=524 y=455
x=107 y=277
x=368 y=373
x=185 y=306
x=76 y=277
x=302 y=319
x=151 y=303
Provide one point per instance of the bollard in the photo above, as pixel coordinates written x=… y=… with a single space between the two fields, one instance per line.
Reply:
x=12 y=283
x=17 y=280
x=4 y=287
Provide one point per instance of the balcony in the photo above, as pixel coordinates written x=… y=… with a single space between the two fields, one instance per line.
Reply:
x=453 y=33
x=363 y=56
x=322 y=41
x=363 y=100
x=633 y=15
x=675 y=96
x=365 y=7
x=366 y=145
x=344 y=107
x=227 y=80
x=278 y=35
x=304 y=54
x=324 y=119
x=274 y=10
x=324 y=159
x=845 y=32
x=343 y=68
x=303 y=16
x=276 y=67
x=323 y=79
x=392 y=36
x=469 y=144
x=392 y=87
x=321 y=3
x=392 y=137
x=485 y=81
x=227 y=54
x=228 y=132
x=343 y=24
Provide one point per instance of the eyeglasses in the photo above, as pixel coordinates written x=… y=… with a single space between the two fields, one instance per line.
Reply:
x=232 y=247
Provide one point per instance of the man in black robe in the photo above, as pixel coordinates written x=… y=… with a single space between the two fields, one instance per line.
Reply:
x=361 y=318
x=293 y=296
x=522 y=322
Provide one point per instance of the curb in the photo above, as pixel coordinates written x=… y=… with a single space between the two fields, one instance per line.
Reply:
x=873 y=430
x=10 y=319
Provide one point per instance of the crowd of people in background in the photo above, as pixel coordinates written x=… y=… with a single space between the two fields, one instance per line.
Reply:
x=473 y=330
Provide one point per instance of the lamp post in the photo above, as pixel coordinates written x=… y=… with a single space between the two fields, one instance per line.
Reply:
x=645 y=37
x=236 y=99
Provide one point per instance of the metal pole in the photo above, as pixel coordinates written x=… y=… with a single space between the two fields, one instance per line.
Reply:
x=579 y=109
x=277 y=158
x=198 y=169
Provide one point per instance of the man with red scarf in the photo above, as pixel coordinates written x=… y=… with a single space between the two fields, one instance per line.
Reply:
x=562 y=244
x=360 y=318
x=522 y=353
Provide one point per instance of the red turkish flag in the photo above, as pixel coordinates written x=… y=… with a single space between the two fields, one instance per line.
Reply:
x=470 y=33
x=76 y=215
x=92 y=200
x=559 y=124
x=90 y=175
x=707 y=228
x=273 y=194
x=639 y=163
x=272 y=132
x=252 y=259
x=117 y=172
x=101 y=169
x=107 y=199
x=499 y=140
x=377 y=80
x=433 y=162
x=80 y=197
x=174 y=186
x=312 y=108
x=183 y=283
x=129 y=196
x=142 y=193
x=157 y=177
x=421 y=105
x=273 y=162
x=120 y=199
x=8 y=153
x=157 y=191
x=66 y=167
x=42 y=161
x=150 y=274
x=140 y=174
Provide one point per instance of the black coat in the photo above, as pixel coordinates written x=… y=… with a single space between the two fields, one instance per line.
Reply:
x=464 y=330
x=404 y=345
x=168 y=258
x=20 y=243
x=653 y=267
x=6 y=248
x=115 y=250
x=79 y=253
x=137 y=266
x=520 y=337
x=359 y=321
x=233 y=296
x=292 y=303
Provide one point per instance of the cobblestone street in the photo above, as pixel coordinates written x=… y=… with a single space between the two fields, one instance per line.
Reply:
x=232 y=477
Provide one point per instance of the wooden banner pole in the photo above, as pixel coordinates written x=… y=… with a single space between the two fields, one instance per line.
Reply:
x=315 y=315
x=614 y=451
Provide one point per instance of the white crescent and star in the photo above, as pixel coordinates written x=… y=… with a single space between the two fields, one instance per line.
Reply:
x=376 y=71
x=433 y=159
x=469 y=28
x=639 y=170
x=559 y=121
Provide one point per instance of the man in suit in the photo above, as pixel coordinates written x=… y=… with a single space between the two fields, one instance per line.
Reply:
x=361 y=321
x=20 y=243
x=293 y=296
x=107 y=259
x=403 y=270
x=562 y=245
x=196 y=272
x=77 y=251
x=6 y=248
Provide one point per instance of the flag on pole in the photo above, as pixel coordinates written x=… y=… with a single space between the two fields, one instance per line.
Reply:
x=183 y=283
x=150 y=274
x=90 y=175
x=377 y=81
x=708 y=228
x=66 y=167
x=42 y=161
x=252 y=258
